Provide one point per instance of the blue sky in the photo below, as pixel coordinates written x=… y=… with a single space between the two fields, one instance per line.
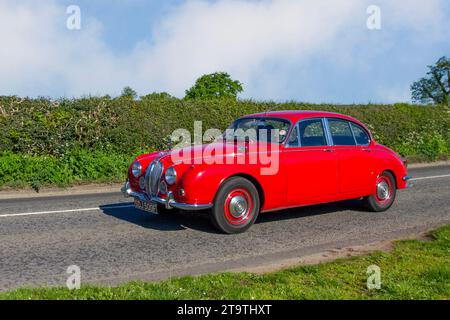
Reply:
x=311 y=51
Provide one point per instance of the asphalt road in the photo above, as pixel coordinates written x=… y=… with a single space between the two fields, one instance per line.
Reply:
x=112 y=242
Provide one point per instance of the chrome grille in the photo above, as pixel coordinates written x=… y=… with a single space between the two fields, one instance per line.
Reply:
x=152 y=178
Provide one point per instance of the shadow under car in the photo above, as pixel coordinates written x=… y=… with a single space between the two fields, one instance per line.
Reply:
x=198 y=220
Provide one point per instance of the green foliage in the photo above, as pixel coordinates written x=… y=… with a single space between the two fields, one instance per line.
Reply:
x=215 y=85
x=435 y=88
x=128 y=93
x=43 y=134
x=413 y=270
x=123 y=126
x=36 y=185
x=78 y=166
x=157 y=96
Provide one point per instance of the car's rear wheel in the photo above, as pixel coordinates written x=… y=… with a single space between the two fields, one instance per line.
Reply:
x=385 y=192
x=236 y=206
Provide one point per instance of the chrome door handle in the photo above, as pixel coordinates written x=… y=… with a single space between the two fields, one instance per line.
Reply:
x=366 y=150
x=328 y=150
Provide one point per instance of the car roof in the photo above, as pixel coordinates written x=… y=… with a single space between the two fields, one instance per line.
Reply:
x=296 y=115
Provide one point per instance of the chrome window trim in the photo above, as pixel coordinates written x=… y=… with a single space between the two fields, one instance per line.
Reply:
x=296 y=127
x=328 y=136
x=353 y=133
x=269 y=118
x=328 y=132
x=349 y=124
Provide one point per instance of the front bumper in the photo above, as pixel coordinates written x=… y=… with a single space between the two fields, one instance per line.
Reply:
x=407 y=182
x=169 y=203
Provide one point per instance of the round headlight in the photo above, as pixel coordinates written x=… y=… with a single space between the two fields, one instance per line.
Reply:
x=136 y=169
x=171 y=175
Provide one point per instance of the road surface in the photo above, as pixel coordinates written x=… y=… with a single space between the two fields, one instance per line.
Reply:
x=112 y=242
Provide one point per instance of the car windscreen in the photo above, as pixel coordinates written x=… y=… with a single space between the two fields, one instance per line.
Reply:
x=273 y=130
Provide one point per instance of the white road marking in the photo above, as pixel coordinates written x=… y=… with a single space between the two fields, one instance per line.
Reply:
x=62 y=211
x=431 y=177
x=130 y=205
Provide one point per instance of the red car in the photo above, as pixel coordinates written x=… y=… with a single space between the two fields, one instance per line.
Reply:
x=266 y=162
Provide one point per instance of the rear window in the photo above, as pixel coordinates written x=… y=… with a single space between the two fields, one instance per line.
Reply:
x=361 y=136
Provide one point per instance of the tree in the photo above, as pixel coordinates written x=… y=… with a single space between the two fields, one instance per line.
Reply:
x=435 y=88
x=215 y=85
x=157 y=96
x=129 y=93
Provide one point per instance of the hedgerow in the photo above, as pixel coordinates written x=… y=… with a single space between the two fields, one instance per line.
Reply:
x=78 y=166
x=93 y=138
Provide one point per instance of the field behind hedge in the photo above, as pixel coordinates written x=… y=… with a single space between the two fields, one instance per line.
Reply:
x=90 y=139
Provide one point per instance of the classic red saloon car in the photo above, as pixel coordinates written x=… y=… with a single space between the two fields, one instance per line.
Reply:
x=320 y=157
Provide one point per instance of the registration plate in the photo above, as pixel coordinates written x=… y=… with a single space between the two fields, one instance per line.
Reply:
x=145 y=206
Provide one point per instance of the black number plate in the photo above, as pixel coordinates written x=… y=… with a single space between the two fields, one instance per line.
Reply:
x=145 y=206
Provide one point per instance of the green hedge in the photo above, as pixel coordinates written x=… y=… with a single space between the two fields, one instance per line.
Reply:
x=20 y=170
x=45 y=131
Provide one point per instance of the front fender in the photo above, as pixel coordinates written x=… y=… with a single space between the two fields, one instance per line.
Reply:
x=201 y=183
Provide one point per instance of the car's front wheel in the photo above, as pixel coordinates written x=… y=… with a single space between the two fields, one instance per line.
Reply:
x=236 y=206
x=385 y=192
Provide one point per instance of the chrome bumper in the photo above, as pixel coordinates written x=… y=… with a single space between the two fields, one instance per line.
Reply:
x=408 y=183
x=169 y=203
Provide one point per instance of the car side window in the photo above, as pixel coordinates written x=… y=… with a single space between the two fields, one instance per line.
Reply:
x=341 y=133
x=312 y=133
x=361 y=136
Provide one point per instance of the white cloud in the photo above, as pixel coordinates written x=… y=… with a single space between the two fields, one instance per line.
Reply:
x=423 y=16
x=400 y=93
x=240 y=37
x=38 y=54
x=256 y=41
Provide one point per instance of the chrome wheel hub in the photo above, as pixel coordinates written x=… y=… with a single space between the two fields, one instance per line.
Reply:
x=383 y=190
x=238 y=206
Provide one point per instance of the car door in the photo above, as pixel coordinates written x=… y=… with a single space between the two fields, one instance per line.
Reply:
x=364 y=147
x=310 y=164
x=353 y=159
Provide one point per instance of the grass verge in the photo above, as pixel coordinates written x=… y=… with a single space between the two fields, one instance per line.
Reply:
x=413 y=270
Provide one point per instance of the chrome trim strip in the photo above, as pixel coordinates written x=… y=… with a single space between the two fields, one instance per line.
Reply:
x=327 y=132
x=361 y=128
x=153 y=177
x=296 y=127
x=169 y=202
x=353 y=133
x=350 y=122
x=307 y=149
